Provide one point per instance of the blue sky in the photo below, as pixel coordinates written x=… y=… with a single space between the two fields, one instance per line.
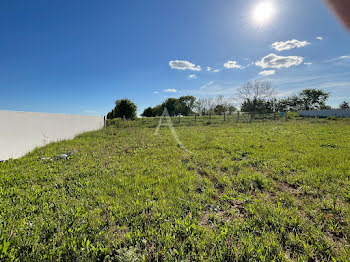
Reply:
x=79 y=56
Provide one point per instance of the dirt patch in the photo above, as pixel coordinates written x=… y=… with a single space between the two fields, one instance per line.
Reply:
x=214 y=214
x=211 y=177
x=285 y=187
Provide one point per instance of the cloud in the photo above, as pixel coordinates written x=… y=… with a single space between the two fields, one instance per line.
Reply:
x=339 y=59
x=192 y=76
x=267 y=72
x=319 y=38
x=210 y=69
x=170 y=90
x=184 y=65
x=275 y=61
x=307 y=63
x=232 y=64
x=156 y=92
x=290 y=44
x=207 y=85
x=335 y=84
x=215 y=88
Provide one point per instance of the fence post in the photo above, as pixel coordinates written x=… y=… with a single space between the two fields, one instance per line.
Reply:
x=274 y=115
x=209 y=115
x=285 y=115
x=104 y=121
x=237 y=116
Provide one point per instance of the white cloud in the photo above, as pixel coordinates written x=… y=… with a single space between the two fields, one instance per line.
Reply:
x=335 y=84
x=290 y=44
x=267 y=72
x=210 y=69
x=207 y=85
x=232 y=64
x=307 y=63
x=215 y=88
x=184 y=65
x=156 y=92
x=275 y=61
x=339 y=59
x=192 y=76
x=319 y=38
x=170 y=90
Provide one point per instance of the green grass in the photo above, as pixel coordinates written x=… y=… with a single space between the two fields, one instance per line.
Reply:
x=260 y=192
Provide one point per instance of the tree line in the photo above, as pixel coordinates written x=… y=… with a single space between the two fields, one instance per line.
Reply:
x=254 y=97
x=189 y=105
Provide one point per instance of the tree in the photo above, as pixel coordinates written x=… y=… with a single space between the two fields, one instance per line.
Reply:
x=295 y=103
x=184 y=105
x=219 y=110
x=206 y=105
x=110 y=115
x=344 y=105
x=125 y=108
x=170 y=105
x=307 y=99
x=254 y=94
x=157 y=110
x=231 y=109
x=148 y=112
x=260 y=106
x=313 y=98
x=326 y=107
x=199 y=106
x=211 y=103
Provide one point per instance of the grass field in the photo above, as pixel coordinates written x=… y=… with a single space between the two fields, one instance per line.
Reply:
x=260 y=192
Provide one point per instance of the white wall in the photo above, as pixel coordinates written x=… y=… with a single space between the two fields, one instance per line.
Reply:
x=20 y=132
x=326 y=113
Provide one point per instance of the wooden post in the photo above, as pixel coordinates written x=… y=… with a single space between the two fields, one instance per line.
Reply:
x=237 y=116
x=274 y=115
x=104 y=121
x=285 y=115
x=209 y=115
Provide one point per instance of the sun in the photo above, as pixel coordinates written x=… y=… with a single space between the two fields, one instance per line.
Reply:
x=263 y=12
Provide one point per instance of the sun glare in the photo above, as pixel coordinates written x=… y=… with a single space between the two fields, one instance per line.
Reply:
x=263 y=13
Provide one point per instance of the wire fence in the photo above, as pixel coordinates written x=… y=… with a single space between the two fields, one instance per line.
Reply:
x=237 y=117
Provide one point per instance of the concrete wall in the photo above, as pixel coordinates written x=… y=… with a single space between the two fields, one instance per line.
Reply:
x=20 y=132
x=326 y=113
